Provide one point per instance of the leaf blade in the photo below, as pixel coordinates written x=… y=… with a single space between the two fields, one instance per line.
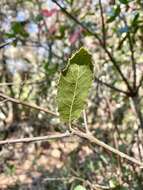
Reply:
x=74 y=84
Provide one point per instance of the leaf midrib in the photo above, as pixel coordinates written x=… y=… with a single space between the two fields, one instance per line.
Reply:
x=74 y=94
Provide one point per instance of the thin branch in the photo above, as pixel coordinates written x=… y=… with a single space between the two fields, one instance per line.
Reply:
x=140 y=83
x=103 y=23
x=70 y=179
x=75 y=20
x=118 y=69
x=92 y=139
x=96 y=186
x=21 y=83
x=78 y=133
x=137 y=107
x=100 y=41
x=131 y=46
x=14 y=100
x=121 y=42
x=85 y=121
x=111 y=86
x=133 y=61
x=7 y=43
x=104 y=41
x=36 y=139
x=2 y=102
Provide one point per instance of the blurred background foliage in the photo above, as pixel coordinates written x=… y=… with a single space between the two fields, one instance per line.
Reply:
x=42 y=35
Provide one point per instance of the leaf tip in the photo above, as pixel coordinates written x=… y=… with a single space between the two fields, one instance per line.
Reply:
x=81 y=57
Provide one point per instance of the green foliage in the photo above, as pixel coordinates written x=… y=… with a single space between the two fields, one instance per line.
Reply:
x=10 y=169
x=114 y=13
x=125 y=1
x=79 y=187
x=74 y=84
x=50 y=69
x=18 y=28
x=135 y=24
x=62 y=30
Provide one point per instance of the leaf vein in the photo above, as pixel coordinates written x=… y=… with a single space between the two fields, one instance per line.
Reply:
x=74 y=95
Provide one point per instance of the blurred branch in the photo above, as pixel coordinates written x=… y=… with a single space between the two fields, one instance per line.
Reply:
x=76 y=20
x=92 y=139
x=4 y=44
x=140 y=83
x=133 y=60
x=35 y=139
x=121 y=42
x=134 y=96
x=100 y=41
x=103 y=23
x=70 y=179
x=2 y=102
x=131 y=46
x=14 y=100
x=111 y=86
x=7 y=43
x=78 y=133
x=137 y=107
x=21 y=83
x=85 y=121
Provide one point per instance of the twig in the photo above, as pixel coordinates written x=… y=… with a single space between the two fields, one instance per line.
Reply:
x=140 y=83
x=81 y=134
x=131 y=46
x=21 y=83
x=70 y=179
x=104 y=44
x=100 y=41
x=14 y=100
x=133 y=60
x=2 y=102
x=56 y=179
x=87 y=182
x=118 y=69
x=85 y=121
x=75 y=20
x=97 y=186
x=7 y=43
x=92 y=139
x=111 y=86
x=35 y=139
x=137 y=107
x=103 y=23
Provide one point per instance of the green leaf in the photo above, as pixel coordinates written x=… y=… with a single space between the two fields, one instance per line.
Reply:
x=79 y=187
x=114 y=13
x=9 y=35
x=38 y=18
x=70 y=1
x=113 y=183
x=135 y=20
x=125 y=1
x=50 y=69
x=74 y=84
x=18 y=28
